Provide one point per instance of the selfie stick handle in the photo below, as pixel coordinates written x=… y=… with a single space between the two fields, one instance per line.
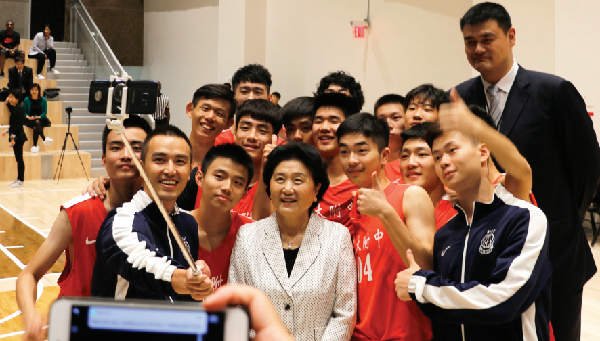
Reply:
x=117 y=126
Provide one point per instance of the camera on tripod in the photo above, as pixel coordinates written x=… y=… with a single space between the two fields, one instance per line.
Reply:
x=141 y=96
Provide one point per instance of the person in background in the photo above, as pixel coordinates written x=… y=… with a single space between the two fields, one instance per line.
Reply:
x=9 y=45
x=162 y=116
x=423 y=104
x=42 y=49
x=392 y=108
x=275 y=97
x=36 y=111
x=20 y=77
x=342 y=82
x=297 y=118
x=17 y=137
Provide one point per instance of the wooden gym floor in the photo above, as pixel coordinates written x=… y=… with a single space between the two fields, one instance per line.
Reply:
x=27 y=214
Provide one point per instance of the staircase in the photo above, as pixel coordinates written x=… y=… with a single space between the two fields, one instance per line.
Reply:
x=74 y=84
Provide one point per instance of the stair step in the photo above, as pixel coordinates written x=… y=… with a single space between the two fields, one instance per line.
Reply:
x=70 y=97
x=90 y=145
x=97 y=163
x=74 y=69
x=91 y=136
x=74 y=90
x=91 y=128
x=67 y=50
x=79 y=120
x=64 y=44
x=72 y=76
x=60 y=63
x=60 y=83
x=77 y=105
x=69 y=56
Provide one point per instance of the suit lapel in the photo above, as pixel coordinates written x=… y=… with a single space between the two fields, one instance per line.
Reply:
x=273 y=252
x=517 y=98
x=309 y=249
x=476 y=94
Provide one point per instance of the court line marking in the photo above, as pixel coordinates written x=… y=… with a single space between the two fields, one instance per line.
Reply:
x=23 y=221
x=15 y=247
x=12 y=334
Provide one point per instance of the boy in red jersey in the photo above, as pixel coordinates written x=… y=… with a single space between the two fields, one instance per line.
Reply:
x=224 y=179
x=391 y=108
x=388 y=219
x=77 y=224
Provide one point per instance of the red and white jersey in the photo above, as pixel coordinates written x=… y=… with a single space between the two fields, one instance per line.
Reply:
x=218 y=259
x=443 y=212
x=393 y=172
x=531 y=197
x=337 y=203
x=86 y=215
x=244 y=207
x=380 y=314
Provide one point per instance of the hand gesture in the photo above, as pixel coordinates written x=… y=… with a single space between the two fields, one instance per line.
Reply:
x=372 y=201
x=403 y=277
x=35 y=328
x=97 y=188
x=199 y=285
x=12 y=143
x=269 y=148
x=456 y=115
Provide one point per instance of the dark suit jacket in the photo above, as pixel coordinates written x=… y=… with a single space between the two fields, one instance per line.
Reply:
x=13 y=78
x=546 y=118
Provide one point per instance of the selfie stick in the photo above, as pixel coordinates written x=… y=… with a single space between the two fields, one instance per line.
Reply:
x=116 y=124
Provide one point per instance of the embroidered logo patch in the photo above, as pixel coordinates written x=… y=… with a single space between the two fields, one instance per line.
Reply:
x=487 y=243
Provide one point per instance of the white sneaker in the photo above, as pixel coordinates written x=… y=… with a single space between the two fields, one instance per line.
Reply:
x=10 y=184
x=35 y=149
x=17 y=183
x=40 y=76
x=55 y=71
x=48 y=141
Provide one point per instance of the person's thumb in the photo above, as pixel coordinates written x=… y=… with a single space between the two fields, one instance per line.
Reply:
x=376 y=185
x=274 y=140
x=411 y=258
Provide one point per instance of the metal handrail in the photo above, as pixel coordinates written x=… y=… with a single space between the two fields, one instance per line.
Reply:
x=96 y=36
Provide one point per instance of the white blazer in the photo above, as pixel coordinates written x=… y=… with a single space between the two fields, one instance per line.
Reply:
x=318 y=301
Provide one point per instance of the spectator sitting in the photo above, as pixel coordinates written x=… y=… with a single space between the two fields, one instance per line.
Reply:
x=36 y=109
x=20 y=77
x=42 y=49
x=9 y=45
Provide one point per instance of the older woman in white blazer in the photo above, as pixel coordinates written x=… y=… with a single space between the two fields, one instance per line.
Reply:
x=304 y=263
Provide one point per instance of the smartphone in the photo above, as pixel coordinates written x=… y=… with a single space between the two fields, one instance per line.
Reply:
x=75 y=319
x=141 y=96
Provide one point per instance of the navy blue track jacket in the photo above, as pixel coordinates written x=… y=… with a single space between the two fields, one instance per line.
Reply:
x=491 y=278
x=136 y=254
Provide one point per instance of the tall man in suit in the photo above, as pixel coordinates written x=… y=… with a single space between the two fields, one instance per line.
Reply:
x=546 y=118
x=20 y=77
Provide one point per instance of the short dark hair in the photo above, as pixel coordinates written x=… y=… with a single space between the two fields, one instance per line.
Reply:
x=36 y=85
x=344 y=80
x=388 y=99
x=297 y=108
x=277 y=94
x=212 y=91
x=19 y=59
x=425 y=92
x=337 y=100
x=487 y=11
x=15 y=92
x=133 y=121
x=47 y=25
x=416 y=132
x=308 y=156
x=484 y=115
x=165 y=130
x=253 y=73
x=367 y=125
x=7 y=21
x=433 y=133
x=262 y=110
x=230 y=151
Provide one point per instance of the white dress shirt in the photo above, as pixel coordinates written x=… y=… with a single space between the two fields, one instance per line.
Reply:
x=504 y=85
x=40 y=44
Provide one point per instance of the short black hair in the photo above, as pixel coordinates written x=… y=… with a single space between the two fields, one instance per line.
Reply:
x=388 y=99
x=37 y=86
x=277 y=94
x=7 y=21
x=433 y=133
x=416 y=132
x=253 y=73
x=133 y=121
x=230 y=151
x=15 y=92
x=212 y=91
x=367 y=125
x=308 y=156
x=166 y=130
x=425 y=92
x=262 y=110
x=19 y=59
x=344 y=80
x=337 y=100
x=297 y=108
x=47 y=25
x=487 y=11
x=483 y=114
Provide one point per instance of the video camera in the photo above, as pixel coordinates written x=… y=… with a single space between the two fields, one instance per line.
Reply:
x=141 y=96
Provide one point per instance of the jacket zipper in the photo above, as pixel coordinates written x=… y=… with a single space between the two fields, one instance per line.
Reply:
x=464 y=258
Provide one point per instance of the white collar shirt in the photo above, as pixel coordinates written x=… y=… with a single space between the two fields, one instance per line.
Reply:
x=504 y=85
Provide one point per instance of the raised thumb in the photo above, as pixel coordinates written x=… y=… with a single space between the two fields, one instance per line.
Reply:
x=410 y=258
x=376 y=185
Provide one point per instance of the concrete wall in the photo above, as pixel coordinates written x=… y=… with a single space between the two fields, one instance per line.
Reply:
x=17 y=11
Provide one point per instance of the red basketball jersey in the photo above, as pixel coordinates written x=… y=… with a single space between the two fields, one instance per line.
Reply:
x=218 y=259
x=86 y=215
x=443 y=212
x=531 y=196
x=380 y=314
x=337 y=203
x=392 y=171
x=244 y=207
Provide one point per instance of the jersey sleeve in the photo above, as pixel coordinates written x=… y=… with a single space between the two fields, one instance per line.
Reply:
x=128 y=251
x=521 y=272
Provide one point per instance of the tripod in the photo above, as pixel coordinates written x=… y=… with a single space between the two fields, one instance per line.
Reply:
x=64 y=147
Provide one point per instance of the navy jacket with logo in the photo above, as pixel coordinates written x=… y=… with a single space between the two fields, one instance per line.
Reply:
x=491 y=278
x=136 y=254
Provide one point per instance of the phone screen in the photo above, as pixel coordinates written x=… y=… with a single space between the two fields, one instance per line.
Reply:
x=118 y=323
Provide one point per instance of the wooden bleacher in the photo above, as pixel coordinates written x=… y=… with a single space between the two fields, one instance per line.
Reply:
x=32 y=63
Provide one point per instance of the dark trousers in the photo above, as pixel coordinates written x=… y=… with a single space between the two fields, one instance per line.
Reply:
x=38 y=130
x=41 y=58
x=18 y=150
x=566 y=315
